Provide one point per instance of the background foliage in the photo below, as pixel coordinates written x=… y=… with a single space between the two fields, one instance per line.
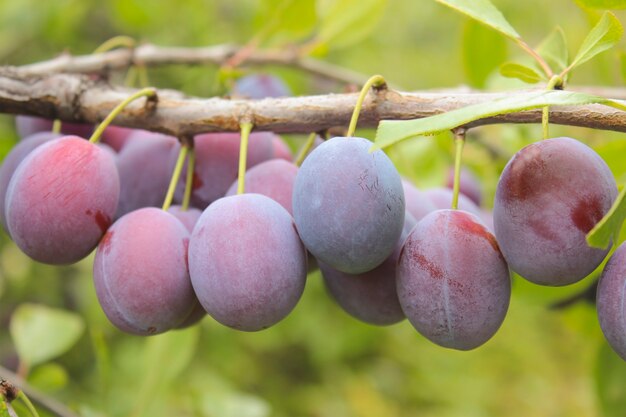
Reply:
x=319 y=361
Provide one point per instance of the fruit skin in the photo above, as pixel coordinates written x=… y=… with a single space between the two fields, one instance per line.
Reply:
x=29 y=125
x=611 y=301
x=217 y=164
x=417 y=202
x=550 y=194
x=141 y=275
x=349 y=205
x=145 y=165
x=371 y=296
x=247 y=263
x=468 y=185
x=273 y=178
x=188 y=217
x=12 y=161
x=61 y=200
x=453 y=282
x=442 y=199
x=258 y=86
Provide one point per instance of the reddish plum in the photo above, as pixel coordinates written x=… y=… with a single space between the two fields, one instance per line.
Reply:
x=453 y=282
x=141 y=274
x=61 y=200
x=247 y=263
x=611 y=301
x=550 y=194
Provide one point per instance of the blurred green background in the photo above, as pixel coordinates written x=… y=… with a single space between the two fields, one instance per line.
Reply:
x=319 y=361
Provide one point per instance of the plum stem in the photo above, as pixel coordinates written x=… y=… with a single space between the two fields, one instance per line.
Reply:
x=305 y=149
x=459 y=141
x=555 y=82
x=191 y=165
x=530 y=51
x=150 y=93
x=29 y=405
x=120 y=41
x=245 y=127
x=175 y=176
x=56 y=126
x=376 y=81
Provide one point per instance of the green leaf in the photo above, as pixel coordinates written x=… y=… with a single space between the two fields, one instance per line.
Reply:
x=480 y=61
x=393 y=131
x=4 y=412
x=346 y=22
x=42 y=333
x=554 y=50
x=607 y=229
x=48 y=377
x=603 y=4
x=522 y=72
x=604 y=35
x=609 y=378
x=286 y=20
x=484 y=12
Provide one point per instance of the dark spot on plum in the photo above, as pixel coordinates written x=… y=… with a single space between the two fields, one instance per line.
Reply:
x=105 y=242
x=151 y=330
x=103 y=221
x=88 y=212
x=526 y=175
x=543 y=230
x=466 y=224
x=196 y=181
x=429 y=266
x=587 y=213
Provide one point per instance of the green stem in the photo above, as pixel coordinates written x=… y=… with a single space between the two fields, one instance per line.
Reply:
x=375 y=81
x=115 y=42
x=56 y=126
x=131 y=76
x=175 y=176
x=530 y=51
x=31 y=409
x=555 y=81
x=191 y=165
x=146 y=92
x=459 y=141
x=304 y=151
x=246 y=127
x=142 y=73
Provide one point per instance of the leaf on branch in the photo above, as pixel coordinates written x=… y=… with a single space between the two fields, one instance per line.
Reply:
x=607 y=229
x=522 y=72
x=345 y=22
x=42 y=333
x=483 y=50
x=394 y=131
x=484 y=12
x=554 y=50
x=604 y=35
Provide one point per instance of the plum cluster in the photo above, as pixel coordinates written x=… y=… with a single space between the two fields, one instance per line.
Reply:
x=386 y=250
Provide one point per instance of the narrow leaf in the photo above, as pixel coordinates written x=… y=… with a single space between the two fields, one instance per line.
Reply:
x=554 y=50
x=393 y=131
x=485 y=12
x=522 y=72
x=483 y=50
x=607 y=229
x=42 y=333
x=346 y=22
x=604 y=35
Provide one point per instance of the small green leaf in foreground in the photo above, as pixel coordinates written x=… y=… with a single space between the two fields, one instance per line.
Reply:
x=607 y=229
x=519 y=71
x=485 y=12
x=604 y=35
x=42 y=333
x=393 y=131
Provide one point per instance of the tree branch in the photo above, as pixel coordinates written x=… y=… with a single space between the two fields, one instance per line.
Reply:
x=80 y=98
x=151 y=55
